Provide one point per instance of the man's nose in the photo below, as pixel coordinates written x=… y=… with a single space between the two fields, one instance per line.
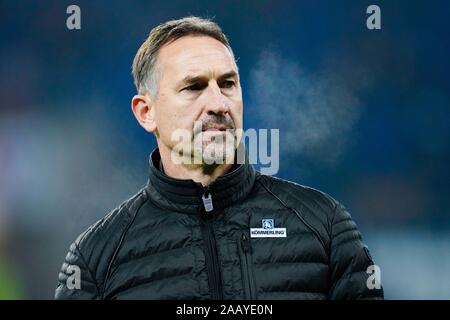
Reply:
x=216 y=102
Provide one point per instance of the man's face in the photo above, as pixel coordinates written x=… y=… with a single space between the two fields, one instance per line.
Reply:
x=198 y=81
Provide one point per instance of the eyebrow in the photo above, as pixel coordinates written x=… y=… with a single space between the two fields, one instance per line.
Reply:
x=193 y=79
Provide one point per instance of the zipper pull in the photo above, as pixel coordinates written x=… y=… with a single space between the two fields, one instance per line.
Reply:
x=207 y=200
x=245 y=243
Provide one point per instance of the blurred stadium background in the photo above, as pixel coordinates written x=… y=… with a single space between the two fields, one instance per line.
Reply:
x=363 y=115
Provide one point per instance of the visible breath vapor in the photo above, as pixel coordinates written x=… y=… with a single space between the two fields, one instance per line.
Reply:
x=315 y=113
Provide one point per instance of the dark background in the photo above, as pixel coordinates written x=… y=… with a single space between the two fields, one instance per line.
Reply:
x=363 y=115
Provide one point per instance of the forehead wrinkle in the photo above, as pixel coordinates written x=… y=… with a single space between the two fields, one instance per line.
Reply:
x=195 y=69
x=196 y=64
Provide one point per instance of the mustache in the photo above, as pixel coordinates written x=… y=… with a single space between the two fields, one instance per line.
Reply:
x=213 y=121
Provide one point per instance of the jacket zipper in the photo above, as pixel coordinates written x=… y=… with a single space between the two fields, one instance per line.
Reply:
x=248 y=277
x=207 y=200
x=212 y=258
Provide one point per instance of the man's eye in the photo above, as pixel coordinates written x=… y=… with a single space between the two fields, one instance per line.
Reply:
x=227 y=84
x=195 y=87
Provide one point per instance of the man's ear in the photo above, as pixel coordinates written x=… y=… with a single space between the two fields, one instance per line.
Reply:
x=144 y=111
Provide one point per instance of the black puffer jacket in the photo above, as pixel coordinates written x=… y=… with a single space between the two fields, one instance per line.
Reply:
x=162 y=244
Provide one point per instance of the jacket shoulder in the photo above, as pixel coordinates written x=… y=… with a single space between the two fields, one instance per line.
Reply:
x=98 y=243
x=111 y=224
x=294 y=193
x=316 y=207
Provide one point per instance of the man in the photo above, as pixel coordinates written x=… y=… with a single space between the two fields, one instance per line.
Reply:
x=205 y=227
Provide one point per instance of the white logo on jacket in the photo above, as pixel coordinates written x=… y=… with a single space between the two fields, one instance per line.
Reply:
x=268 y=230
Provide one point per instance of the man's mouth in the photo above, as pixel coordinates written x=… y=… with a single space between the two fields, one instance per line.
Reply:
x=215 y=128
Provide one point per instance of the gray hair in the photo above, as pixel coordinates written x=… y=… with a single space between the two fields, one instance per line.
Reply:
x=145 y=71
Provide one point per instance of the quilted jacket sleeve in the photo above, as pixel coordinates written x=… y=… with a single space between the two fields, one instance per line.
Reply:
x=352 y=267
x=75 y=280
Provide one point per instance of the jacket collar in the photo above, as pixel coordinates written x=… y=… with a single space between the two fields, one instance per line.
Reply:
x=186 y=195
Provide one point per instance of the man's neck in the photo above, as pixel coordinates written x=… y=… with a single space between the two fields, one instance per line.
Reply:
x=204 y=174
